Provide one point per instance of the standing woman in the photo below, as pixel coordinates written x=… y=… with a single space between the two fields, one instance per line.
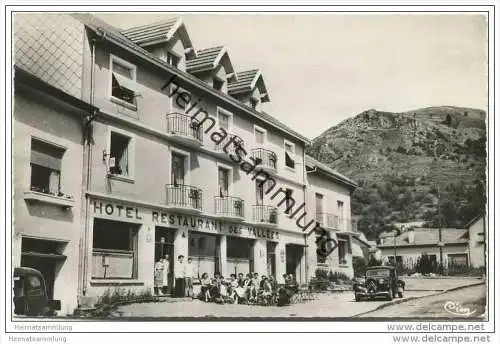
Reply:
x=158 y=277
x=166 y=272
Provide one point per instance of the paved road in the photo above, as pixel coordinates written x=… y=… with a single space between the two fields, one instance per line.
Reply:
x=473 y=298
x=331 y=305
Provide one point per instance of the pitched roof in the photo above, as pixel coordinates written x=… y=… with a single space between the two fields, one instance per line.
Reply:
x=429 y=237
x=207 y=59
x=246 y=81
x=153 y=33
x=474 y=220
x=311 y=162
x=116 y=37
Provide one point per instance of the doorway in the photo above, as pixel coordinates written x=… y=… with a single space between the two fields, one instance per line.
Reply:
x=271 y=259
x=294 y=254
x=45 y=256
x=164 y=244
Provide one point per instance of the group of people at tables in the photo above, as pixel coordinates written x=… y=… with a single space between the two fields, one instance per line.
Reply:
x=249 y=289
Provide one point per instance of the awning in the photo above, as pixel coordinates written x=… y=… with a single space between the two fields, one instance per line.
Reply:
x=44 y=255
x=125 y=82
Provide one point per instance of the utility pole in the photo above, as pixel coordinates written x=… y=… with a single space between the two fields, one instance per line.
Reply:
x=440 y=224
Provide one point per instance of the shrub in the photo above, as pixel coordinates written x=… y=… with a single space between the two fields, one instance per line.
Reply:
x=359 y=265
x=109 y=300
x=338 y=277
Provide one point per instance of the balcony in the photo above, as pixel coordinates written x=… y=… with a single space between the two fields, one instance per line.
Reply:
x=181 y=128
x=265 y=215
x=185 y=198
x=230 y=208
x=267 y=160
x=334 y=222
x=232 y=141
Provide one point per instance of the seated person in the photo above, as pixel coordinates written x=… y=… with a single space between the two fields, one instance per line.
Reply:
x=205 y=287
x=266 y=290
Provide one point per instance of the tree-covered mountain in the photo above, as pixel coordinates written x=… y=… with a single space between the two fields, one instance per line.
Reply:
x=410 y=164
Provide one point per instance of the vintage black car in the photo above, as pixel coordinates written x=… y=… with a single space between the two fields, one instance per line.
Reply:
x=379 y=281
x=30 y=293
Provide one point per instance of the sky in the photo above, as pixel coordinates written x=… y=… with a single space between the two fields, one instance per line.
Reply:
x=320 y=69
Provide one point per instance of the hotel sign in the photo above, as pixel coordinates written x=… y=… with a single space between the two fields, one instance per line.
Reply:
x=204 y=224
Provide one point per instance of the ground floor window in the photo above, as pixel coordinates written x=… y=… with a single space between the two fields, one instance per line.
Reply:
x=203 y=249
x=114 y=249
x=457 y=259
x=239 y=255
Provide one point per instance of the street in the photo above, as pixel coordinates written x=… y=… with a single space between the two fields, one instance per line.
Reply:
x=331 y=305
x=466 y=303
x=326 y=305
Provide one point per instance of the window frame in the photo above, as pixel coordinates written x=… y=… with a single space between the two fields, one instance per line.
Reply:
x=133 y=70
x=264 y=131
x=64 y=150
x=229 y=114
x=229 y=177
x=316 y=203
x=133 y=234
x=177 y=56
x=293 y=155
x=131 y=155
x=187 y=165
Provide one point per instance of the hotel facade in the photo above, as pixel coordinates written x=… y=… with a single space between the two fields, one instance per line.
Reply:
x=132 y=144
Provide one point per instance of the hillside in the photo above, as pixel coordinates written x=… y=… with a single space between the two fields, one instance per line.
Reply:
x=403 y=161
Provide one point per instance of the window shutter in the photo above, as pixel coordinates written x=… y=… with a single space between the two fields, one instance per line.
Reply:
x=43 y=154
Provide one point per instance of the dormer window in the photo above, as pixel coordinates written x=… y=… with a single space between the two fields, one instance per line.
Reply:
x=254 y=103
x=172 y=59
x=218 y=84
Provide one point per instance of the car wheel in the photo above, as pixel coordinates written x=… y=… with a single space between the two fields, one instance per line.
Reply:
x=390 y=295
x=357 y=298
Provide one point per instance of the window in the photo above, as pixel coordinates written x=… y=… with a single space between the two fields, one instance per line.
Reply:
x=120 y=151
x=340 y=209
x=33 y=286
x=114 y=249
x=254 y=103
x=218 y=84
x=342 y=249
x=172 y=59
x=223 y=182
x=45 y=162
x=224 y=120
x=319 y=203
x=260 y=136
x=457 y=259
x=259 y=192
x=123 y=77
x=289 y=202
x=178 y=169
x=289 y=155
x=399 y=260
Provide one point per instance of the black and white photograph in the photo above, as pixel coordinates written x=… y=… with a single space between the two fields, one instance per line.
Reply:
x=249 y=169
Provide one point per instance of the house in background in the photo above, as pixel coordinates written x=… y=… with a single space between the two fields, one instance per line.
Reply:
x=458 y=246
x=477 y=241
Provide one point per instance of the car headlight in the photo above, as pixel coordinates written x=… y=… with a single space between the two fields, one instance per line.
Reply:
x=381 y=281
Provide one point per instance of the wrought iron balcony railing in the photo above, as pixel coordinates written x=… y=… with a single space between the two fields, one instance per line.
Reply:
x=265 y=214
x=184 y=196
x=184 y=126
x=228 y=206
x=267 y=160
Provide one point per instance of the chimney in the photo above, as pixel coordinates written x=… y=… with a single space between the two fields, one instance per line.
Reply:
x=411 y=236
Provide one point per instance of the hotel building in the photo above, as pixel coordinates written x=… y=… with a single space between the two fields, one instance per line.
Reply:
x=169 y=151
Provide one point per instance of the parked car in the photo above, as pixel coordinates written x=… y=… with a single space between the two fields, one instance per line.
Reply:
x=379 y=281
x=30 y=293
